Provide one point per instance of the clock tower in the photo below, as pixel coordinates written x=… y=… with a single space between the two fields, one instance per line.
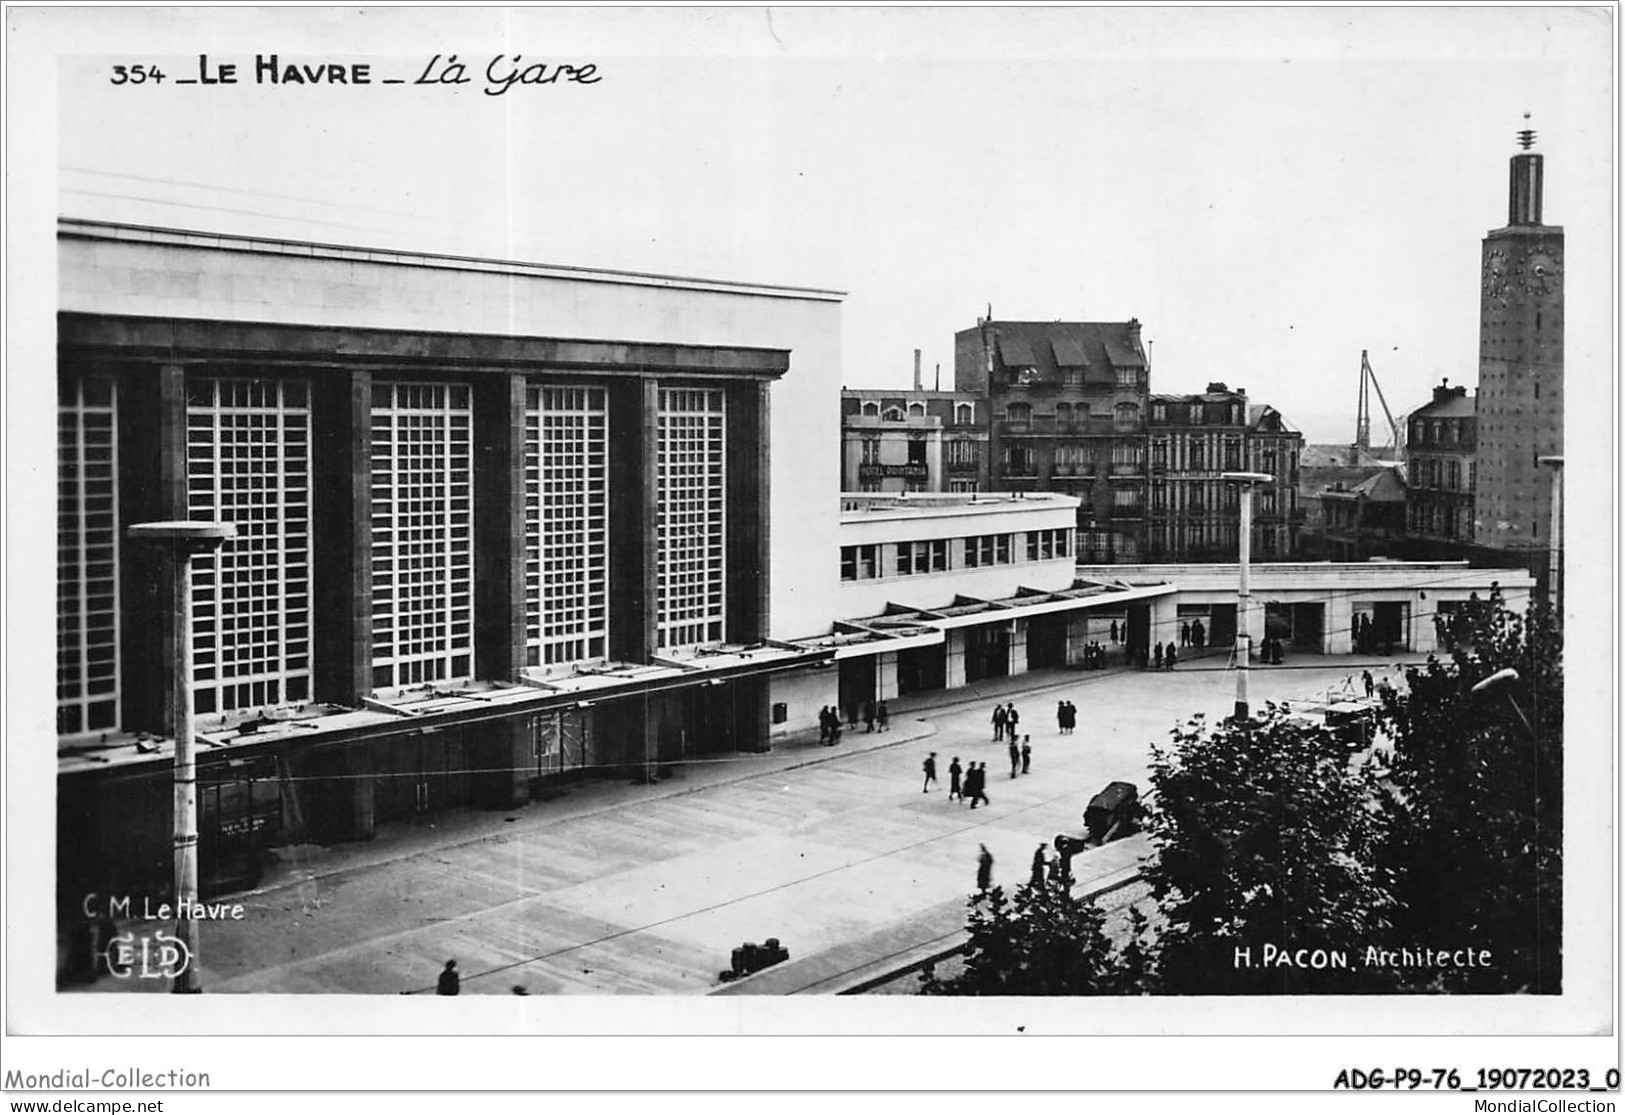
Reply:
x=1520 y=367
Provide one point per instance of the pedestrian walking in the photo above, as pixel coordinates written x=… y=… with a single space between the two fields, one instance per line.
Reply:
x=976 y=784
x=1156 y=658
x=954 y=771
x=824 y=728
x=999 y=717
x=1040 y=862
x=450 y=982
x=1171 y=657
x=1370 y=684
x=1114 y=632
x=1011 y=718
x=1185 y=634
x=1198 y=634
x=1060 y=717
x=984 y=869
x=930 y=772
x=1071 y=718
x=868 y=716
x=883 y=715
x=1026 y=753
x=1015 y=755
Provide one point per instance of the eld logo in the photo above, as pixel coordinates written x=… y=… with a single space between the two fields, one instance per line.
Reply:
x=140 y=956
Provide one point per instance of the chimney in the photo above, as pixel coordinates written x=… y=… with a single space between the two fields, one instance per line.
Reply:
x=1444 y=391
x=916 y=369
x=1134 y=331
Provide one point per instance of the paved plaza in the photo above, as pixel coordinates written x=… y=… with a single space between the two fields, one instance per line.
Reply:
x=617 y=889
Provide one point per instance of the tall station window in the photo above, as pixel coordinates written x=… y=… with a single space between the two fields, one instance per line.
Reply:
x=248 y=464
x=691 y=528
x=87 y=677
x=566 y=525
x=422 y=534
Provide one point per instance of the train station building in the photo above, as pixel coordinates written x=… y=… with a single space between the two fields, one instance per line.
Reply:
x=501 y=525
x=496 y=524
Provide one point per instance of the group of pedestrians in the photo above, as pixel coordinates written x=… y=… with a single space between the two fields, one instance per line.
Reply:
x=1052 y=871
x=876 y=718
x=1066 y=717
x=1192 y=634
x=1006 y=718
x=1366 y=638
x=1021 y=755
x=1271 y=652
x=1165 y=657
x=1094 y=657
x=974 y=788
x=1047 y=870
x=829 y=726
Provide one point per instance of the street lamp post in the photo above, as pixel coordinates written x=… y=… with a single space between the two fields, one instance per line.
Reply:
x=1244 y=639
x=180 y=541
x=1503 y=680
x=1554 y=569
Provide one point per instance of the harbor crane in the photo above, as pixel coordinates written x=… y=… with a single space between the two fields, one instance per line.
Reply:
x=1362 y=430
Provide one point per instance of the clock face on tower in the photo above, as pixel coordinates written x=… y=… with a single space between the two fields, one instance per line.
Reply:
x=1545 y=271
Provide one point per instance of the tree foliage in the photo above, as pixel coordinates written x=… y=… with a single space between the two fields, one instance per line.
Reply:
x=1266 y=835
x=1269 y=834
x=1041 y=941
x=1477 y=839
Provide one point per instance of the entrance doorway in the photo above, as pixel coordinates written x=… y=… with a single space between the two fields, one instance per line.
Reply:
x=921 y=669
x=857 y=686
x=987 y=652
x=1381 y=627
x=1046 y=641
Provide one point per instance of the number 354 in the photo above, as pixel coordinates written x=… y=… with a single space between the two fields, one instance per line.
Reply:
x=135 y=75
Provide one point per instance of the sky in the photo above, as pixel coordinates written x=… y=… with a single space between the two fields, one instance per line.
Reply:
x=1269 y=191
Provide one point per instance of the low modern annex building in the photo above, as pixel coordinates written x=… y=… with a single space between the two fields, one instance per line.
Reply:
x=1319 y=607
x=496 y=523
x=939 y=591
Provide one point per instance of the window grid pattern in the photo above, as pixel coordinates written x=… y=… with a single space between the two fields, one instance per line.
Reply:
x=691 y=527
x=422 y=534
x=566 y=524
x=248 y=464
x=87 y=676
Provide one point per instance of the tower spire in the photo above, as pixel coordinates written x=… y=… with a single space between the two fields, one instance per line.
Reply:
x=1528 y=172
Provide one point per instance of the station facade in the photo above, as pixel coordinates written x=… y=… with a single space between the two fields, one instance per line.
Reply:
x=501 y=525
x=496 y=524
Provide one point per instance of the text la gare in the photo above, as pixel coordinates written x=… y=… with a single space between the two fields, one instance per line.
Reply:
x=501 y=73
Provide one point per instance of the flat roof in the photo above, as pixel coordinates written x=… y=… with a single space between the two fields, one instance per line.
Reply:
x=432 y=707
x=82 y=229
x=857 y=507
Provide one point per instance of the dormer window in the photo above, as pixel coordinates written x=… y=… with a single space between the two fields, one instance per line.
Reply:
x=892 y=414
x=916 y=410
x=871 y=410
x=965 y=414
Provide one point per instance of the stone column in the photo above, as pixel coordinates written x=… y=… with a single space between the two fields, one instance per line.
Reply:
x=886 y=676
x=1017 y=663
x=954 y=659
x=499 y=525
x=341 y=538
